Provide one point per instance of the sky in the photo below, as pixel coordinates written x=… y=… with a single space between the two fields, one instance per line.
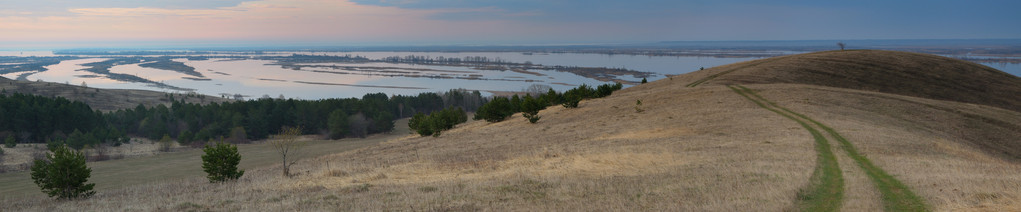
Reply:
x=198 y=23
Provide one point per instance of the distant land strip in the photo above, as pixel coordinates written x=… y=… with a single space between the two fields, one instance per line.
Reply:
x=364 y=86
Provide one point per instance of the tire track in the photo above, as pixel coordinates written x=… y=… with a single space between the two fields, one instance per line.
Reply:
x=895 y=195
x=825 y=191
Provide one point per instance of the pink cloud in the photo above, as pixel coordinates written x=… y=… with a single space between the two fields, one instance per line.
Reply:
x=318 y=20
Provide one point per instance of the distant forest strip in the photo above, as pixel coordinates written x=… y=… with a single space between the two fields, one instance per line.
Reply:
x=28 y=64
x=166 y=63
x=38 y=119
x=103 y=68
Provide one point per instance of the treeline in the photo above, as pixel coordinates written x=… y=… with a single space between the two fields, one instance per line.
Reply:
x=443 y=60
x=499 y=108
x=40 y=119
x=31 y=118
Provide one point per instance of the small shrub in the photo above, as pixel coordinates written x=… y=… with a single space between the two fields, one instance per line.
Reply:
x=644 y=80
x=165 y=143
x=221 y=162
x=184 y=138
x=63 y=174
x=10 y=142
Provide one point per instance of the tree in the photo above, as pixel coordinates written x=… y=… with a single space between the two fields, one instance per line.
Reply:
x=63 y=174
x=842 y=45
x=10 y=142
x=496 y=110
x=644 y=80
x=420 y=124
x=530 y=108
x=288 y=146
x=575 y=95
x=337 y=124
x=221 y=162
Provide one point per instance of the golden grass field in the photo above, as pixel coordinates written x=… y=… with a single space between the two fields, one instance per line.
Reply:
x=701 y=148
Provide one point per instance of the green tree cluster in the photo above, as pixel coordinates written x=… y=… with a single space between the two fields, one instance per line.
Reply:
x=500 y=108
x=496 y=110
x=220 y=162
x=437 y=121
x=37 y=119
x=63 y=174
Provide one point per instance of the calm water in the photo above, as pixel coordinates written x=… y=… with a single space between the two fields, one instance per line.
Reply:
x=256 y=78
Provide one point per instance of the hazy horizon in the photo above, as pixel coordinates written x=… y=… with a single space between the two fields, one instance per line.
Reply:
x=286 y=23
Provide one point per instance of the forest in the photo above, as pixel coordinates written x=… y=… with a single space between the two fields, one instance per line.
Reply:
x=38 y=119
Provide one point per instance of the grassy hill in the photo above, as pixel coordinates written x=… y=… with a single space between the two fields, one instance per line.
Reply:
x=904 y=73
x=98 y=98
x=723 y=139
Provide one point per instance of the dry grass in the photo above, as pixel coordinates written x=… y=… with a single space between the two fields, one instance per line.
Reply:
x=904 y=73
x=695 y=157
x=934 y=152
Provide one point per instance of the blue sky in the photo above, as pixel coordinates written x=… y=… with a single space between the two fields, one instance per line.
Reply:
x=343 y=22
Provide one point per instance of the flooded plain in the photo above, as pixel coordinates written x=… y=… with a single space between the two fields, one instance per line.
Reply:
x=255 y=77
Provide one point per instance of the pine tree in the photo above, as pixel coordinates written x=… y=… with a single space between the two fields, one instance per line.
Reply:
x=63 y=174
x=221 y=162
x=530 y=108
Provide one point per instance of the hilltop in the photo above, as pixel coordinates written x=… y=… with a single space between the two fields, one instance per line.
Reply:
x=800 y=132
x=101 y=99
x=904 y=73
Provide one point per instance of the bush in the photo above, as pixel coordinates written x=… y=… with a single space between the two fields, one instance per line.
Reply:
x=221 y=162
x=63 y=174
x=645 y=81
x=185 y=137
x=165 y=143
x=10 y=142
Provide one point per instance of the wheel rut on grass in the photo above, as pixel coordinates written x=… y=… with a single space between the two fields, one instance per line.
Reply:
x=894 y=194
x=825 y=191
x=710 y=77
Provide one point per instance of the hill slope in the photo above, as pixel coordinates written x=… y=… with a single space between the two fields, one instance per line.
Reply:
x=708 y=147
x=98 y=98
x=904 y=73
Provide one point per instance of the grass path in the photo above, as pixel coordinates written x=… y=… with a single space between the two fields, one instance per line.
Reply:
x=710 y=77
x=896 y=196
x=825 y=191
